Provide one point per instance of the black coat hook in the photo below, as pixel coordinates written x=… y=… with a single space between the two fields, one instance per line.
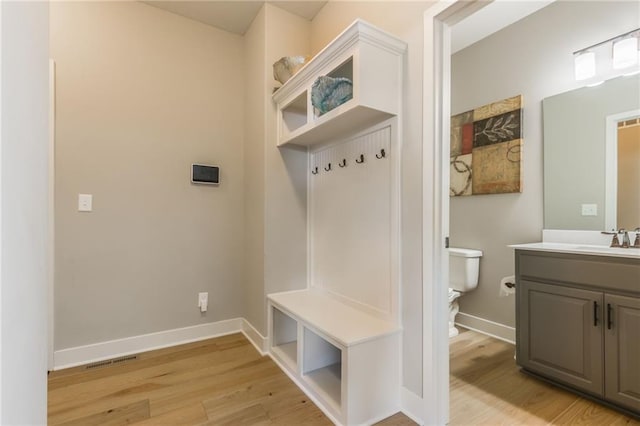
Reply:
x=344 y=163
x=361 y=159
x=382 y=154
x=328 y=168
x=314 y=171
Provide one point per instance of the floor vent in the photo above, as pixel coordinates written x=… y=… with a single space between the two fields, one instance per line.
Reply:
x=114 y=361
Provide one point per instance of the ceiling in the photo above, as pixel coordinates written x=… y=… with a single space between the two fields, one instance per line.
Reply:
x=490 y=19
x=234 y=16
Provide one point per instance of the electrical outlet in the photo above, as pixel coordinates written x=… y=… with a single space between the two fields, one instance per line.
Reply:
x=203 y=301
x=85 y=202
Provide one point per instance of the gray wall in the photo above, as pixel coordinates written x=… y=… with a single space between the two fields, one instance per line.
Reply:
x=532 y=57
x=24 y=225
x=276 y=178
x=142 y=94
x=254 y=128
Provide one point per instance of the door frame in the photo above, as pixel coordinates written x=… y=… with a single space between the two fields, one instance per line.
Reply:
x=51 y=207
x=438 y=20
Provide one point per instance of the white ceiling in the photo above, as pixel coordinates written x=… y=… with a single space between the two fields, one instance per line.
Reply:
x=234 y=16
x=490 y=19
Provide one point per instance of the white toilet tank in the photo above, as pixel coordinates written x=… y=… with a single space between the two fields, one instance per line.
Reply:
x=464 y=268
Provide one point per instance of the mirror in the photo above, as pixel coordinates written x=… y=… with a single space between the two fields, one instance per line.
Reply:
x=582 y=151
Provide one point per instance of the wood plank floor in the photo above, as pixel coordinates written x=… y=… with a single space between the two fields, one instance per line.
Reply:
x=224 y=381
x=487 y=388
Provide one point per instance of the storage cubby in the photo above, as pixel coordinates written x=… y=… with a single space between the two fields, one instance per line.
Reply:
x=322 y=366
x=371 y=59
x=294 y=115
x=285 y=337
x=344 y=70
x=348 y=360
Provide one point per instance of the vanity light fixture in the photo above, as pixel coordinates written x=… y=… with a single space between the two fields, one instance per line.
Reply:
x=608 y=59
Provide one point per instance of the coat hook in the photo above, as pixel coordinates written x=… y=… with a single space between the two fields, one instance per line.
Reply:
x=314 y=171
x=328 y=168
x=344 y=163
x=361 y=159
x=382 y=154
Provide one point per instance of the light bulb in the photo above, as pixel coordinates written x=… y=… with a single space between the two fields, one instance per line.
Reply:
x=585 y=65
x=625 y=53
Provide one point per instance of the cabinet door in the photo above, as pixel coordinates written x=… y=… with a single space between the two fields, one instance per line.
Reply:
x=560 y=334
x=622 y=350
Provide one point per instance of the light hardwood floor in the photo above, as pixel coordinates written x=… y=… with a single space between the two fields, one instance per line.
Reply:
x=487 y=388
x=225 y=381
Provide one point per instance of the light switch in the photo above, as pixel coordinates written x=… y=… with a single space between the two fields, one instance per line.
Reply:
x=85 y=202
x=589 y=210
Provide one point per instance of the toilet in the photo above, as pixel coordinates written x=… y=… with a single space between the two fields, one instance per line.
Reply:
x=464 y=268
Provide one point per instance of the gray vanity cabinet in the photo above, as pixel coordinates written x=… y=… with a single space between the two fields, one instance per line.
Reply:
x=622 y=350
x=578 y=323
x=561 y=334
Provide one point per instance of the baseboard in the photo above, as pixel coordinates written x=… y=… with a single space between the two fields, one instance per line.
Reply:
x=484 y=326
x=411 y=405
x=80 y=355
x=254 y=336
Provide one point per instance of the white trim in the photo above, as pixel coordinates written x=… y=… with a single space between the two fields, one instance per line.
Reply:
x=80 y=355
x=438 y=20
x=487 y=327
x=411 y=405
x=611 y=167
x=51 y=249
x=254 y=336
x=1 y=283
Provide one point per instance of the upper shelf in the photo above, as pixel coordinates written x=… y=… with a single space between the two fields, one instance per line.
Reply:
x=372 y=59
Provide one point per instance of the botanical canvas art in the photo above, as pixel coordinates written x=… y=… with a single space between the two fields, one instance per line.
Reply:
x=486 y=149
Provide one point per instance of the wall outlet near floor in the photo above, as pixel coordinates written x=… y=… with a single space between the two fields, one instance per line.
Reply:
x=589 y=210
x=203 y=301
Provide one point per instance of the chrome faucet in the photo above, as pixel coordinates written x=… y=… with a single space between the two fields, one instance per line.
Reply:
x=614 y=241
x=626 y=242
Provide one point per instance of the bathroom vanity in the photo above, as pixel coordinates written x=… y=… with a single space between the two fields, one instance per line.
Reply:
x=578 y=319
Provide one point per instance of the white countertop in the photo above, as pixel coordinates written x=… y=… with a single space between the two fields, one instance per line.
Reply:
x=587 y=249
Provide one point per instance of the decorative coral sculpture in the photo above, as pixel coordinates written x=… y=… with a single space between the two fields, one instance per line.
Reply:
x=328 y=93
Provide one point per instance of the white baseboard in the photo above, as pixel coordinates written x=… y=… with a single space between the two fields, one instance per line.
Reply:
x=254 y=336
x=411 y=405
x=80 y=355
x=484 y=326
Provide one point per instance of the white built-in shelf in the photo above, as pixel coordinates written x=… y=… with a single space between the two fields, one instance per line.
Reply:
x=328 y=381
x=332 y=317
x=345 y=359
x=285 y=338
x=288 y=352
x=371 y=59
